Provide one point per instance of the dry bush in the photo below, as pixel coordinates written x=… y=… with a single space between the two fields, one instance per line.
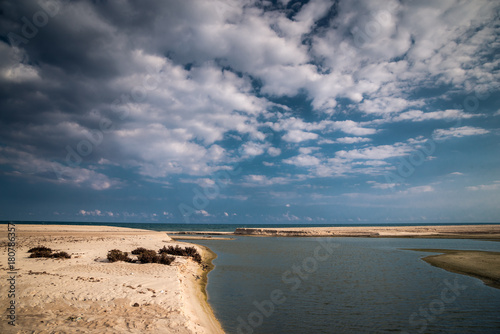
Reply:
x=148 y=256
x=43 y=251
x=139 y=250
x=117 y=255
x=40 y=249
x=188 y=251
x=61 y=255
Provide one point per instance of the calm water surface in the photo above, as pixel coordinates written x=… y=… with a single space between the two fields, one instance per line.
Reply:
x=346 y=285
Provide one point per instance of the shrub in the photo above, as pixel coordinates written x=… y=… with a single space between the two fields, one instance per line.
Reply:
x=41 y=253
x=148 y=256
x=165 y=259
x=188 y=251
x=196 y=257
x=117 y=255
x=139 y=250
x=61 y=255
x=143 y=255
x=40 y=249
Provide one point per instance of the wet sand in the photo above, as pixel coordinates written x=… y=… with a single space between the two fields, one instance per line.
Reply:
x=478 y=264
x=88 y=294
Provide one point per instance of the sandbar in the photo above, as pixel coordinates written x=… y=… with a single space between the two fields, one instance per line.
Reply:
x=88 y=294
x=478 y=264
x=490 y=232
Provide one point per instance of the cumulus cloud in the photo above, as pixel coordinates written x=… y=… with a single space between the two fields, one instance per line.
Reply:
x=170 y=92
x=297 y=136
x=418 y=116
x=376 y=152
x=352 y=140
x=442 y=134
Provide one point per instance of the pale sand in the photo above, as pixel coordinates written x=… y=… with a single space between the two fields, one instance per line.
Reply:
x=479 y=264
x=100 y=295
x=491 y=232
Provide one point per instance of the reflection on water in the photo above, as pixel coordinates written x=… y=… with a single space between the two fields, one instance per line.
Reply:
x=346 y=285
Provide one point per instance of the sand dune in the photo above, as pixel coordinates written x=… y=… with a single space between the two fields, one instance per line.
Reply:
x=88 y=294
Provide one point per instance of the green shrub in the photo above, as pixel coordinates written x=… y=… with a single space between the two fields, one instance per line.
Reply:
x=117 y=255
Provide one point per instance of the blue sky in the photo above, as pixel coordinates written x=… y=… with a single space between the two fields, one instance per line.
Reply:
x=250 y=111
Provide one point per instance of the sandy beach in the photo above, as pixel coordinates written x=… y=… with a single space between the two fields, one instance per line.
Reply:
x=491 y=232
x=479 y=264
x=88 y=294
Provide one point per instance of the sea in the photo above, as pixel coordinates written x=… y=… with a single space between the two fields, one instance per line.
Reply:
x=224 y=227
x=339 y=285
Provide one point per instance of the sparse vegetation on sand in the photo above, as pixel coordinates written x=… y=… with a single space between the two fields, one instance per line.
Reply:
x=46 y=252
x=115 y=255
x=143 y=256
x=188 y=251
x=150 y=256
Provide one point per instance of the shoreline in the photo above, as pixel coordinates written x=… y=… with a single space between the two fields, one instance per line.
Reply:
x=90 y=294
x=488 y=232
x=478 y=264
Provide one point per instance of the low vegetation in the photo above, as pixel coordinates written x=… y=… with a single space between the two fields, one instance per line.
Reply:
x=139 y=250
x=150 y=256
x=188 y=251
x=40 y=249
x=115 y=255
x=46 y=252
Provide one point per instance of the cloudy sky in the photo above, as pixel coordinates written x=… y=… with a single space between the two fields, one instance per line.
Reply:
x=241 y=111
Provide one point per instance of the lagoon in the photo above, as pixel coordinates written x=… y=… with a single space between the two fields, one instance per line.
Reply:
x=346 y=285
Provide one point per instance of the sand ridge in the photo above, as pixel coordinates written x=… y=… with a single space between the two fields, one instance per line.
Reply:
x=448 y=231
x=88 y=294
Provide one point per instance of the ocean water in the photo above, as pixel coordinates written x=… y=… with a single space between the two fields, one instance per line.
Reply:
x=346 y=285
x=220 y=227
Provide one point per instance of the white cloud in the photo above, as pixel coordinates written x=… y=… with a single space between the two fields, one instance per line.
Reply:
x=26 y=164
x=417 y=115
x=303 y=160
x=441 y=134
x=297 y=136
x=352 y=140
x=252 y=149
x=420 y=189
x=262 y=180
x=273 y=151
x=377 y=185
x=494 y=186
x=203 y=213
x=308 y=150
x=92 y=213
x=376 y=152
x=386 y=105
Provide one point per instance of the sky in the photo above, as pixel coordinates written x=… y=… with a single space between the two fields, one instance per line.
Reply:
x=226 y=111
